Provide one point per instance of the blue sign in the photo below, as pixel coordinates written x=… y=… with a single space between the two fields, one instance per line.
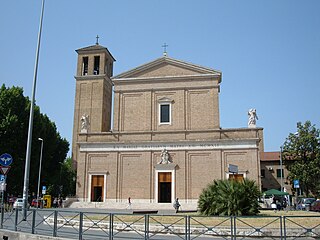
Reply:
x=2 y=178
x=44 y=188
x=6 y=159
x=296 y=183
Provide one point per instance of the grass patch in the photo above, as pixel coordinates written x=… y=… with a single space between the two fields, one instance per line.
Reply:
x=266 y=219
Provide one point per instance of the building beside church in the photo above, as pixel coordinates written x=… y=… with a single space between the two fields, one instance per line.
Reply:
x=274 y=173
x=165 y=141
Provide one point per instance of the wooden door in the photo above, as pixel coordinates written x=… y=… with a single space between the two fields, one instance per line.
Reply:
x=164 y=187
x=97 y=188
x=236 y=177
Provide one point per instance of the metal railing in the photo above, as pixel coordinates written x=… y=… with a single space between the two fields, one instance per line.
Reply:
x=99 y=225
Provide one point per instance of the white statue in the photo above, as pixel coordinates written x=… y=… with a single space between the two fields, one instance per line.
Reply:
x=164 y=157
x=252 y=117
x=84 y=123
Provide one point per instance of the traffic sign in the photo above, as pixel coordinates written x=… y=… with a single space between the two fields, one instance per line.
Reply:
x=6 y=159
x=2 y=183
x=232 y=168
x=3 y=186
x=44 y=189
x=2 y=178
x=5 y=170
x=296 y=183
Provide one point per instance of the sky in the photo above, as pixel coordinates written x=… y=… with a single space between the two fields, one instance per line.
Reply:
x=268 y=52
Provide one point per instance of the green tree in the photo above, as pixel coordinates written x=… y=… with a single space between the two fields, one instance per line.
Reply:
x=14 y=119
x=230 y=198
x=67 y=178
x=301 y=154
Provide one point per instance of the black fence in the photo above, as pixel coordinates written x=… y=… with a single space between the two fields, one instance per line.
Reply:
x=99 y=225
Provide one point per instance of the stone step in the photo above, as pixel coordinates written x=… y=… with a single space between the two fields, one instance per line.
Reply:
x=134 y=206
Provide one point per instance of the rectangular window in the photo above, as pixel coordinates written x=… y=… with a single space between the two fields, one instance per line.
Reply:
x=263 y=173
x=279 y=173
x=165 y=113
x=96 y=65
x=85 y=66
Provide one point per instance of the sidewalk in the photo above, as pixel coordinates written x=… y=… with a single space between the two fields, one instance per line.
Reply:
x=136 y=206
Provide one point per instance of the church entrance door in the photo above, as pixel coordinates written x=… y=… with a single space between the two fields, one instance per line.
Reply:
x=164 y=187
x=97 y=186
x=237 y=177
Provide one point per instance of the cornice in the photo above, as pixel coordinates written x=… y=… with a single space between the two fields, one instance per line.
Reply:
x=219 y=130
x=92 y=77
x=219 y=144
x=166 y=78
x=152 y=89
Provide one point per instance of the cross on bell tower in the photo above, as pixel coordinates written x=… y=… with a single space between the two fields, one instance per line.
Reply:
x=97 y=42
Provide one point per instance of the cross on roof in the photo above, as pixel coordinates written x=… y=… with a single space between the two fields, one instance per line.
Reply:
x=165 y=49
x=97 y=42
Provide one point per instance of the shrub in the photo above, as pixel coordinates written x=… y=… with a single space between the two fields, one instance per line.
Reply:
x=230 y=198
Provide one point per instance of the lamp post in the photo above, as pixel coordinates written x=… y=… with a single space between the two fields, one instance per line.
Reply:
x=60 y=186
x=29 y=141
x=281 y=169
x=40 y=139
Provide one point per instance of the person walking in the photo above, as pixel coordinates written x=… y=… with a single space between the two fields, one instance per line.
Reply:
x=60 y=202
x=176 y=205
x=55 y=202
x=129 y=203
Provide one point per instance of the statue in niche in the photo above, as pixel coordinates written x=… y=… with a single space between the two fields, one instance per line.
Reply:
x=84 y=123
x=252 y=113
x=165 y=158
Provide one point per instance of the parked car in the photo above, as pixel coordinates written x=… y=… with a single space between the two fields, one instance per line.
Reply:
x=315 y=206
x=19 y=203
x=304 y=203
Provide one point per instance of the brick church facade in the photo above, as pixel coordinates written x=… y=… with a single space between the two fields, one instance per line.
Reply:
x=165 y=139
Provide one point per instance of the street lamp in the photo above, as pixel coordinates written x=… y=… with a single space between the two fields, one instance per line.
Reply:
x=40 y=139
x=281 y=169
x=30 y=127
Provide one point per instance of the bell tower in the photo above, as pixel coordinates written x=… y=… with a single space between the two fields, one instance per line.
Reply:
x=93 y=98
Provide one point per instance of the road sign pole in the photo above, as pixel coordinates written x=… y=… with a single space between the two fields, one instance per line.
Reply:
x=296 y=185
x=5 y=162
x=2 y=209
x=2 y=189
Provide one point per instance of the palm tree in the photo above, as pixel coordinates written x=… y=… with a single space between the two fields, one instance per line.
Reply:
x=230 y=198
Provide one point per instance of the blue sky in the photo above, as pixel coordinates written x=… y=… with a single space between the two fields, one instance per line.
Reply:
x=268 y=52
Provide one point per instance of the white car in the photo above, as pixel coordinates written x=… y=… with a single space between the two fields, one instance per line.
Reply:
x=19 y=203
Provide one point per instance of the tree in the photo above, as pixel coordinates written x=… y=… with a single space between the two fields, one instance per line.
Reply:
x=67 y=180
x=230 y=198
x=301 y=153
x=14 y=119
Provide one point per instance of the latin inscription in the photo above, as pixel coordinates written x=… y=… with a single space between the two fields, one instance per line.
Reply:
x=104 y=147
x=171 y=146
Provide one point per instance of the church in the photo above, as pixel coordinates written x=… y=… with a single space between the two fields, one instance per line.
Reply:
x=164 y=140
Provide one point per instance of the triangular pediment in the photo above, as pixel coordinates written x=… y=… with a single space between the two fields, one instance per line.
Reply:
x=166 y=67
x=165 y=100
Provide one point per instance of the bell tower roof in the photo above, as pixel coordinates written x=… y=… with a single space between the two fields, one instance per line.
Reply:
x=94 y=48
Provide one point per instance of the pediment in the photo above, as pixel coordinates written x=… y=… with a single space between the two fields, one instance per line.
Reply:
x=165 y=100
x=166 y=67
